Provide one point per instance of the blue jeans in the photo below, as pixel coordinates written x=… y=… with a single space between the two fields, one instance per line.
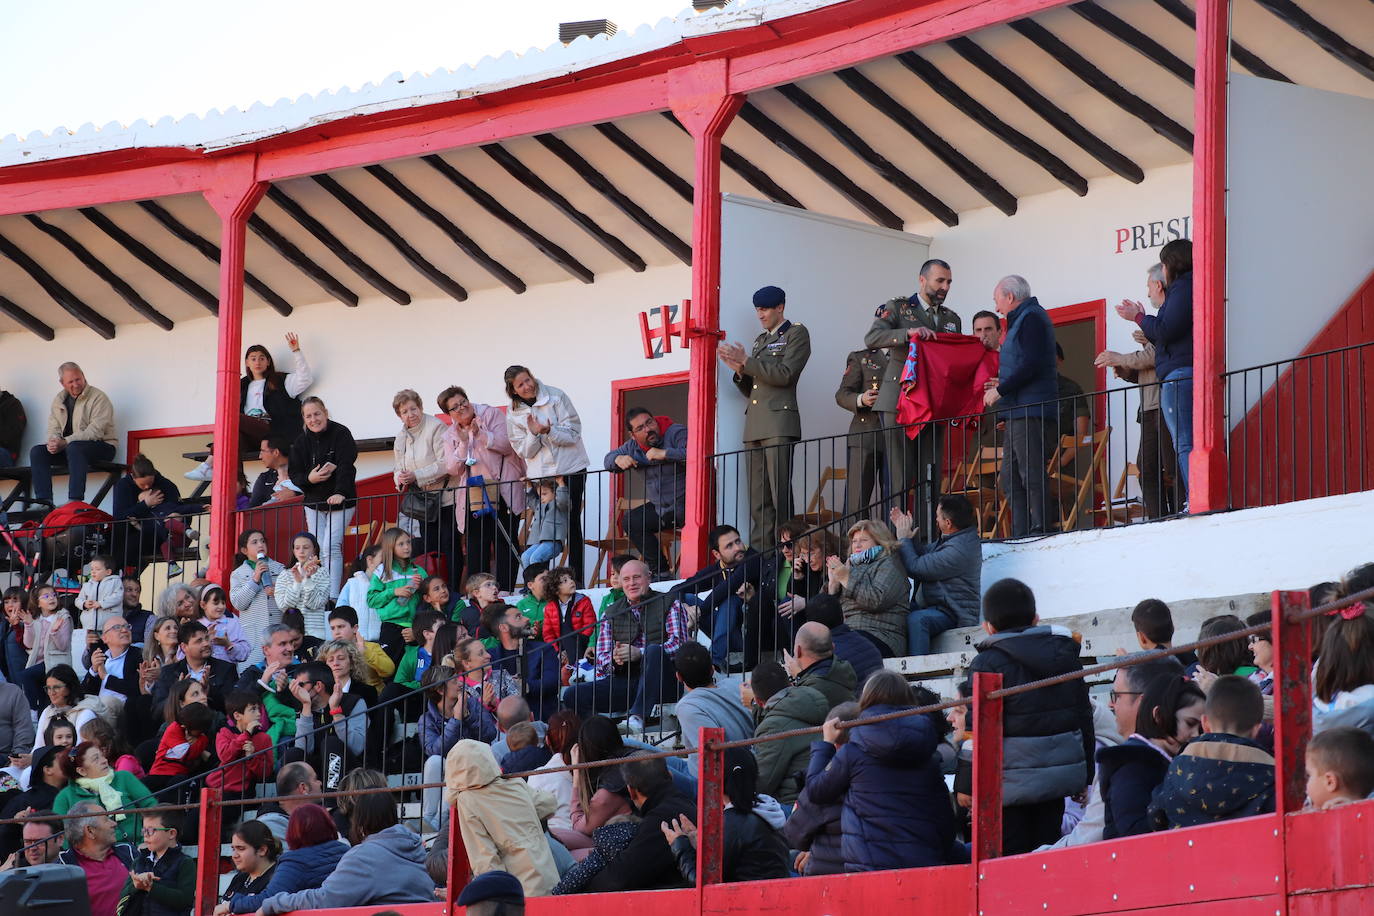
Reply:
x=77 y=456
x=923 y=625
x=618 y=693
x=727 y=634
x=1176 y=400
x=542 y=552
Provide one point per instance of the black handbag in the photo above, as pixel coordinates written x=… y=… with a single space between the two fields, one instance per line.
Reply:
x=422 y=505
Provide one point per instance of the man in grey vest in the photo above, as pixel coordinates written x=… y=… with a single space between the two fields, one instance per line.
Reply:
x=896 y=323
x=768 y=377
x=634 y=652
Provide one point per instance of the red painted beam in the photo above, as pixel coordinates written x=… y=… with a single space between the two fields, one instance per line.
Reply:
x=706 y=110
x=987 y=770
x=1208 y=482
x=207 y=842
x=78 y=188
x=1292 y=644
x=710 y=808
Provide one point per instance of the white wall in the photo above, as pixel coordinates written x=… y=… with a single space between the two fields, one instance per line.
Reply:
x=1292 y=546
x=574 y=336
x=835 y=273
x=1300 y=213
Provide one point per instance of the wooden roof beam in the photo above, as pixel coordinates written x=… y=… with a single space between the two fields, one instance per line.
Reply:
x=1325 y=37
x=153 y=260
x=336 y=247
x=126 y=292
x=24 y=317
x=619 y=199
x=750 y=173
x=457 y=236
x=1107 y=87
x=1240 y=54
x=64 y=297
x=952 y=93
x=627 y=145
x=879 y=163
x=1055 y=116
x=541 y=188
x=542 y=243
x=298 y=259
x=825 y=170
x=1133 y=38
x=211 y=251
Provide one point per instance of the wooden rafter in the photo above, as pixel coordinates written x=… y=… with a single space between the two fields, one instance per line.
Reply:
x=25 y=318
x=1242 y=55
x=64 y=297
x=302 y=262
x=1325 y=37
x=98 y=267
x=1132 y=37
x=745 y=169
x=627 y=145
x=153 y=260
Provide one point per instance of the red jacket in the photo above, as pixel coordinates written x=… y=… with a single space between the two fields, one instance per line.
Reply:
x=242 y=776
x=173 y=736
x=583 y=619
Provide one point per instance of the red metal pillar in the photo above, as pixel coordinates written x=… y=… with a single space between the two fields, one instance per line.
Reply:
x=1207 y=485
x=710 y=807
x=1292 y=699
x=700 y=101
x=459 y=872
x=987 y=768
x=233 y=195
x=207 y=852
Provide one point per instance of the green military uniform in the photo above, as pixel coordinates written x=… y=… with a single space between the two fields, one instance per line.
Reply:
x=771 y=418
x=907 y=457
x=863 y=371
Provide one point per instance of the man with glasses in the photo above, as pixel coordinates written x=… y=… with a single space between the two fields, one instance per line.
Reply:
x=767 y=377
x=91 y=846
x=658 y=448
x=42 y=837
x=112 y=667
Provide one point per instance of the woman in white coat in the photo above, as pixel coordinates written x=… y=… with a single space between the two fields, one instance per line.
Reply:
x=546 y=431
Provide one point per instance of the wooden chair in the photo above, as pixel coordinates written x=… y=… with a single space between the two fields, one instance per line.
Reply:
x=611 y=546
x=1126 y=508
x=971 y=482
x=1079 y=497
x=816 y=507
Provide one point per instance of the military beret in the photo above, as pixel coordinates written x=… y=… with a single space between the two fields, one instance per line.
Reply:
x=492 y=885
x=770 y=297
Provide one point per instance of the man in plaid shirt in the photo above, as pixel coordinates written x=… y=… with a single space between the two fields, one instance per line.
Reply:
x=634 y=651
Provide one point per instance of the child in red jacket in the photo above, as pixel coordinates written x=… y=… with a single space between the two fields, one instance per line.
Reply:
x=568 y=617
x=244 y=738
x=185 y=746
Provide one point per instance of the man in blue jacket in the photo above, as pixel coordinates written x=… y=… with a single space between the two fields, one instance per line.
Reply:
x=658 y=448
x=1025 y=393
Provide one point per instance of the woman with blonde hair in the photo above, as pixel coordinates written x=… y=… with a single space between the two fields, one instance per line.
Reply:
x=872 y=586
x=421 y=477
x=349 y=669
x=322 y=465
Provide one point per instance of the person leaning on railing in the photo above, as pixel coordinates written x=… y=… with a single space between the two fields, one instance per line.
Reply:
x=419 y=464
x=658 y=448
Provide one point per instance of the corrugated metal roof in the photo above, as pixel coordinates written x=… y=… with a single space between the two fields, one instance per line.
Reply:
x=219 y=130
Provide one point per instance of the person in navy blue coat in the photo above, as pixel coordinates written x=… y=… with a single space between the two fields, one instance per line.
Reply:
x=897 y=812
x=1171 y=331
x=1025 y=393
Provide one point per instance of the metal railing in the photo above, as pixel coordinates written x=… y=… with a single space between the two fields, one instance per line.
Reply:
x=1299 y=428
x=1288 y=628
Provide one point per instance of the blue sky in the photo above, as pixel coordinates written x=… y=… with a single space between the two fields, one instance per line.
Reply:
x=67 y=63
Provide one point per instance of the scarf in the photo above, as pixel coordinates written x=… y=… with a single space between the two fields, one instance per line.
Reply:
x=866 y=556
x=103 y=786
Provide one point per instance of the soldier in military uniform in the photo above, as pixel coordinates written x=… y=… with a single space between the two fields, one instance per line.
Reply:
x=896 y=323
x=858 y=393
x=767 y=377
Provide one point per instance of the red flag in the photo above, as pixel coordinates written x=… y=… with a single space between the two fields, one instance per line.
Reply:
x=944 y=378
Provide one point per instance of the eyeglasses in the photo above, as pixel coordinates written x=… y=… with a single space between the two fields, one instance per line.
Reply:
x=50 y=688
x=118 y=628
x=149 y=831
x=1255 y=637
x=1118 y=694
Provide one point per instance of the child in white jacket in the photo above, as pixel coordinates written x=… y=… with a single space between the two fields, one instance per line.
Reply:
x=101 y=596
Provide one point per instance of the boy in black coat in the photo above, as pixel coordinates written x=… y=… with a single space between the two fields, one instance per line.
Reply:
x=1047 y=734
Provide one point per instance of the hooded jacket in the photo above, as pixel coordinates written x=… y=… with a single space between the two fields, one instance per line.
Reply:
x=817 y=829
x=500 y=818
x=1130 y=772
x=753 y=850
x=897 y=812
x=13 y=421
x=783 y=763
x=1217 y=777
x=1047 y=738
x=558 y=451
x=296 y=870
x=396 y=853
x=334 y=443
x=713 y=707
x=833 y=677
x=948 y=573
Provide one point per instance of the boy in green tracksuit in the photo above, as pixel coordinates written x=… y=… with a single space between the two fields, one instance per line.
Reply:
x=536 y=597
x=418 y=658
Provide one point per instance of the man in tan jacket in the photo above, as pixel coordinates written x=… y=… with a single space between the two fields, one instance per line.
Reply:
x=1155 y=458
x=81 y=431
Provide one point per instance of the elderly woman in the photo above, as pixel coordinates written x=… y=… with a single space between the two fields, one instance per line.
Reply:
x=479 y=457
x=322 y=466
x=546 y=431
x=420 y=467
x=90 y=779
x=872 y=587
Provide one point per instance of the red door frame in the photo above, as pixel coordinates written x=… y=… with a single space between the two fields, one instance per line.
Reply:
x=1096 y=312
x=619 y=387
x=136 y=436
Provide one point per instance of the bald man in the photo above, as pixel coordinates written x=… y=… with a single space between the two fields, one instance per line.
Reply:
x=812 y=663
x=634 y=651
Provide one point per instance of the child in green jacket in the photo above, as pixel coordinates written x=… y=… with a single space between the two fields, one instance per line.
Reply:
x=394 y=590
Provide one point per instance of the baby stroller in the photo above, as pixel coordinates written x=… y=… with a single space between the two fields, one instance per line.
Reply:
x=54 y=551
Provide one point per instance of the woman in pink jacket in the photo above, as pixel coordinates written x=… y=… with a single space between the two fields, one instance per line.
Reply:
x=476 y=446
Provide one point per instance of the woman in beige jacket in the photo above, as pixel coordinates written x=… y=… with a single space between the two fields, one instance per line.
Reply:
x=501 y=819
x=419 y=464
